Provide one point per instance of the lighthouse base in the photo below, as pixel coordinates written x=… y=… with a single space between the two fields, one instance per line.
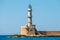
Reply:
x=28 y=31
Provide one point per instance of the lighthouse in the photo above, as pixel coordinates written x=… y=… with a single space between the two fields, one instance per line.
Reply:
x=29 y=16
x=29 y=29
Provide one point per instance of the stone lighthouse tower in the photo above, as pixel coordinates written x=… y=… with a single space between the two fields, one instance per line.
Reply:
x=29 y=29
x=29 y=16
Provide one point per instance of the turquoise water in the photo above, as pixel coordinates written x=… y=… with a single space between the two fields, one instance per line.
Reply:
x=41 y=38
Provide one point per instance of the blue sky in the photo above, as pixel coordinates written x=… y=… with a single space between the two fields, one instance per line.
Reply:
x=13 y=15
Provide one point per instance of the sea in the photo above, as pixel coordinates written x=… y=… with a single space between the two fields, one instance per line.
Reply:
x=6 y=37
